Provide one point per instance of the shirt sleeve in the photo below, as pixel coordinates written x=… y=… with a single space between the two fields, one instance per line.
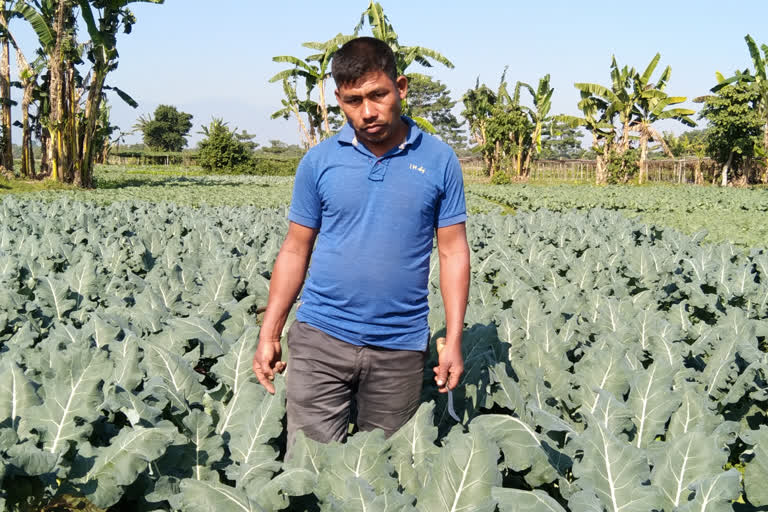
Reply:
x=452 y=208
x=305 y=203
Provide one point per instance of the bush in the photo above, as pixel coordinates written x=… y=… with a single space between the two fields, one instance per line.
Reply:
x=221 y=150
x=274 y=166
x=622 y=166
x=501 y=177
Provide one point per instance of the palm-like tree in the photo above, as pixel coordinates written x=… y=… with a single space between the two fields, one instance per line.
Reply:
x=599 y=122
x=650 y=106
x=28 y=77
x=71 y=127
x=293 y=106
x=382 y=29
x=618 y=99
x=650 y=109
x=314 y=71
x=636 y=102
x=404 y=55
x=478 y=108
x=539 y=115
x=113 y=16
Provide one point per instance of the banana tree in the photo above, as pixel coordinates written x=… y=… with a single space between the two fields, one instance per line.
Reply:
x=326 y=51
x=293 y=106
x=404 y=55
x=619 y=98
x=478 y=106
x=28 y=78
x=314 y=75
x=598 y=119
x=382 y=29
x=71 y=125
x=6 y=157
x=113 y=15
x=28 y=75
x=539 y=115
x=652 y=107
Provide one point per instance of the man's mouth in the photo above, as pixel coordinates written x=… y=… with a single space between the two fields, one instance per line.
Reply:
x=374 y=128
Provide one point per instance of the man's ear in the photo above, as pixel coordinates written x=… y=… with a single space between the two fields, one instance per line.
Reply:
x=402 y=86
x=336 y=93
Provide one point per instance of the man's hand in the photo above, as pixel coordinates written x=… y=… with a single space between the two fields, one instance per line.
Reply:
x=450 y=365
x=267 y=361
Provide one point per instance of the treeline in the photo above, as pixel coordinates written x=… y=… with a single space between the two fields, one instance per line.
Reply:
x=621 y=120
x=512 y=125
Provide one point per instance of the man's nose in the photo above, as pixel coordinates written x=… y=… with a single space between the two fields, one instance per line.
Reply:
x=369 y=110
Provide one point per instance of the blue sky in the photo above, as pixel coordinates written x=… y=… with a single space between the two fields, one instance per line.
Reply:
x=214 y=58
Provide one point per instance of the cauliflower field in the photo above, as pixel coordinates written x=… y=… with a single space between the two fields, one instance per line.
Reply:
x=611 y=365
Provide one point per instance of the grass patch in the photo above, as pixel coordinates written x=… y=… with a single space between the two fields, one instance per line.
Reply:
x=19 y=186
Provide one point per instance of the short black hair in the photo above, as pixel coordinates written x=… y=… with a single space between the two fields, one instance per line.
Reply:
x=360 y=56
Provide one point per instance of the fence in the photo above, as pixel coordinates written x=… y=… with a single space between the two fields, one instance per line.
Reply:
x=672 y=170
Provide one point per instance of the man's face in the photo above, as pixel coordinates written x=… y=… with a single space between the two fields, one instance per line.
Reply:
x=372 y=106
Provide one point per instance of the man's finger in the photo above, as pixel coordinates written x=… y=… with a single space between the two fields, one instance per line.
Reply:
x=265 y=378
x=453 y=378
x=441 y=377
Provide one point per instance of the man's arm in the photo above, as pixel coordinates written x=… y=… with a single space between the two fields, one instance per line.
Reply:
x=287 y=277
x=453 y=251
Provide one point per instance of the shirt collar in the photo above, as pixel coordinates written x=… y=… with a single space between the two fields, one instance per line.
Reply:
x=347 y=134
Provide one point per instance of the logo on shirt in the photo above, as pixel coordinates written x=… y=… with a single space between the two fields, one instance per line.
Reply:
x=418 y=168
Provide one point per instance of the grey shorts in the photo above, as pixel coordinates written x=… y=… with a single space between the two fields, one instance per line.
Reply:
x=325 y=375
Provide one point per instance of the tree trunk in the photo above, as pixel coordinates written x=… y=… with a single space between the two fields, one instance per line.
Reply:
x=73 y=127
x=5 y=97
x=302 y=127
x=324 y=109
x=643 y=159
x=28 y=82
x=600 y=177
x=27 y=157
x=726 y=168
x=45 y=148
x=59 y=146
x=92 y=106
x=764 y=177
x=698 y=175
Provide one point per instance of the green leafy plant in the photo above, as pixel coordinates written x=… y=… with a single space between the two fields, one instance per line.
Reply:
x=221 y=149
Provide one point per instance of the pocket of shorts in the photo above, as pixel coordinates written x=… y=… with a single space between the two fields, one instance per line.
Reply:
x=290 y=334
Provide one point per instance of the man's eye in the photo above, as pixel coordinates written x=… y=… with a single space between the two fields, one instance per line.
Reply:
x=354 y=101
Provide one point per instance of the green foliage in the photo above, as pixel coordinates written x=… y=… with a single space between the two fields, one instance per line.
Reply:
x=625 y=111
x=501 y=177
x=382 y=29
x=508 y=133
x=430 y=99
x=722 y=215
x=735 y=124
x=222 y=150
x=265 y=166
x=561 y=141
x=609 y=365
x=623 y=166
x=689 y=143
x=167 y=130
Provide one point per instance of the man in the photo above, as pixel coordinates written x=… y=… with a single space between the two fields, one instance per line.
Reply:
x=373 y=196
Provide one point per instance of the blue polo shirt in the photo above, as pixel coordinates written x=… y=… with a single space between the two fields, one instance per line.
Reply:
x=368 y=278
